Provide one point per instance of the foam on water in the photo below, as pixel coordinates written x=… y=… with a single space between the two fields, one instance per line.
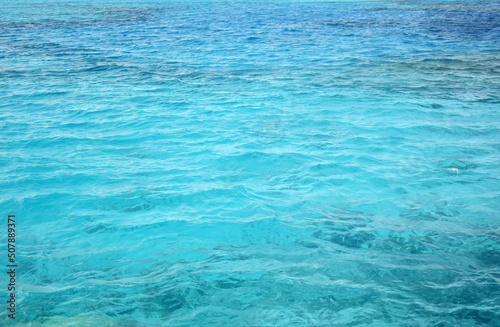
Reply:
x=252 y=163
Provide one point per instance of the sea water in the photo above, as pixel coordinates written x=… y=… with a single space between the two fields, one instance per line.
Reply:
x=251 y=163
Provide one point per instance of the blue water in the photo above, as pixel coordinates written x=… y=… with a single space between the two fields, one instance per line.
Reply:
x=269 y=163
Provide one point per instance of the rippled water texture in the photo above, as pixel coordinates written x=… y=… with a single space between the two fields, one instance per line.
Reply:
x=252 y=163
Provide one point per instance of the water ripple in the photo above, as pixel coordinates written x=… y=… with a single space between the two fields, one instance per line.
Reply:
x=252 y=163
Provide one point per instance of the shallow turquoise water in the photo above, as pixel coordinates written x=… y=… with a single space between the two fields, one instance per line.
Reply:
x=252 y=163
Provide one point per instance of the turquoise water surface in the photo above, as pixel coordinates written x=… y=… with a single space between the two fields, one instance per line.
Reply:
x=238 y=163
